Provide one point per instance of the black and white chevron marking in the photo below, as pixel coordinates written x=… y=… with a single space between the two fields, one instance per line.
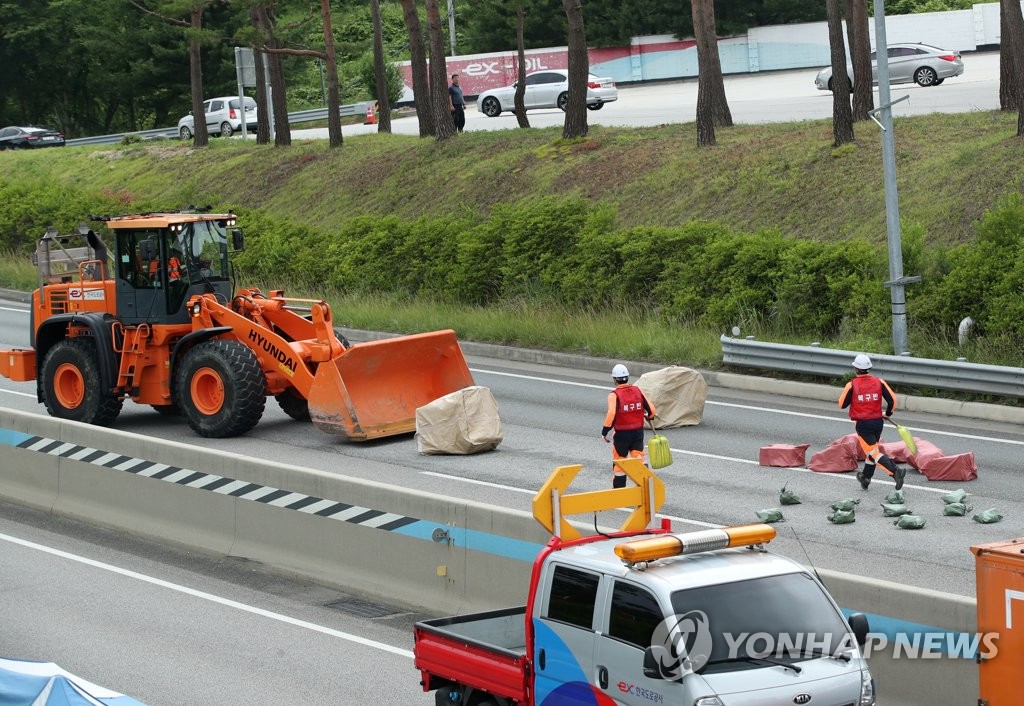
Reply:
x=244 y=490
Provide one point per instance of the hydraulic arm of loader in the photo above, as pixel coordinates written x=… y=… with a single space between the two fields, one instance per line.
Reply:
x=368 y=391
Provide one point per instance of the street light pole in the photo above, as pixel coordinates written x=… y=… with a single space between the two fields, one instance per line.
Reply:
x=897 y=282
x=451 y=24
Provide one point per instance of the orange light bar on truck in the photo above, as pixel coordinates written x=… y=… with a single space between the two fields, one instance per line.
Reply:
x=693 y=542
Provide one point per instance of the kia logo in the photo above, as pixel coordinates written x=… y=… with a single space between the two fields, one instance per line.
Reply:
x=802 y=699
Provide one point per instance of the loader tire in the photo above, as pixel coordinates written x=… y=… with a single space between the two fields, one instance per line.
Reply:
x=294 y=405
x=220 y=388
x=72 y=385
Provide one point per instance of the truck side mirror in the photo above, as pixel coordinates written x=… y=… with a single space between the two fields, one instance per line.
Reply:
x=656 y=667
x=858 y=623
x=651 y=670
x=237 y=239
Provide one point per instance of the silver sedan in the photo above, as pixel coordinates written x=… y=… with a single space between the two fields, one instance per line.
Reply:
x=546 y=89
x=922 y=64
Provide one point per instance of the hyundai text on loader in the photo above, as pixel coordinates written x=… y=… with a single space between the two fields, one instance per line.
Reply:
x=160 y=322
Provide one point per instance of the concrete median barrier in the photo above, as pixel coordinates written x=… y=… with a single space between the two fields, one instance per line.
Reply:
x=425 y=551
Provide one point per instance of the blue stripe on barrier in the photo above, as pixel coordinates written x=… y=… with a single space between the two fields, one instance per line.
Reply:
x=917 y=637
x=12 y=438
x=475 y=540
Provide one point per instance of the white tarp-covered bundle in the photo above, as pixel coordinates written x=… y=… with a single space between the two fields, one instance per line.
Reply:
x=462 y=422
x=677 y=393
x=45 y=684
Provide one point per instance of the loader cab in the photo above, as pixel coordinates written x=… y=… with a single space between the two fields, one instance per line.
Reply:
x=160 y=267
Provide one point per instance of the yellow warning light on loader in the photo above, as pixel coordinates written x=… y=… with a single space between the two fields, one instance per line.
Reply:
x=693 y=542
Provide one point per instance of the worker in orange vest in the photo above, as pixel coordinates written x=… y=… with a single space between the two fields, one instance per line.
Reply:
x=628 y=407
x=864 y=395
x=173 y=269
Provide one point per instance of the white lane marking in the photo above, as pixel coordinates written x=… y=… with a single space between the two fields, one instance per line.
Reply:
x=23 y=394
x=473 y=481
x=209 y=597
x=8 y=308
x=754 y=408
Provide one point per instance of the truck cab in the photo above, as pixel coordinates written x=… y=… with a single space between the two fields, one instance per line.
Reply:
x=650 y=616
x=720 y=627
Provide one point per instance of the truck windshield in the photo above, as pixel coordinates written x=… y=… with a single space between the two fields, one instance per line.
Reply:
x=785 y=618
x=205 y=247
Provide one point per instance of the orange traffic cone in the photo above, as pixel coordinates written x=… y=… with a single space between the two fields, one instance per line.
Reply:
x=371 y=116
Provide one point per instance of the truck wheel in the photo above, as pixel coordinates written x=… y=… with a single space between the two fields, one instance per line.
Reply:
x=294 y=405
x=220 y=388
x=72 y=387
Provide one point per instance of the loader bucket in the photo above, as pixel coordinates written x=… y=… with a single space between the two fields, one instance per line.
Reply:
x=373 y=389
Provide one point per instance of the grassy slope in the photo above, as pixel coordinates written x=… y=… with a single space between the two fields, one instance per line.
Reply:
x=951 y=169
x=785 y=176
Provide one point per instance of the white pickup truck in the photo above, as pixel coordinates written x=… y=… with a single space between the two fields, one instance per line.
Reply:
x=646 y=616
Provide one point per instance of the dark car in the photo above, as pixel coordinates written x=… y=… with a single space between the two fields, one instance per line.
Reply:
x=17 y=138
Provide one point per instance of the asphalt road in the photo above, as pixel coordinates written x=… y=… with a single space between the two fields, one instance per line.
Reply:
x=173 y=628
x=779 y=96
x=552 y=416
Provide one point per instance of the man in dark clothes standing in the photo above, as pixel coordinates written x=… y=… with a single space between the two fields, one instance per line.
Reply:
x=458 y=103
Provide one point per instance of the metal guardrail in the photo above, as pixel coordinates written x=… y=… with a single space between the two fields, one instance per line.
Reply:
x=905 y=370
x=171 y=133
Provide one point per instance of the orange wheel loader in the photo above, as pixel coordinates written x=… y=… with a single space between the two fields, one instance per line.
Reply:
x=160 y=322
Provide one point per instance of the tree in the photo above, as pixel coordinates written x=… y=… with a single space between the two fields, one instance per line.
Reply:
x=520 y=97
x=420 y=82
x=860 y=55
x=1007 y=97
x=842 y=115
x=383 y=95
x=444 y=125
x=268 y=52
x=712 y=106
x=1012 y=44
x=579 y=67
x=489 y=25
x=193 y=29
x=333 y=94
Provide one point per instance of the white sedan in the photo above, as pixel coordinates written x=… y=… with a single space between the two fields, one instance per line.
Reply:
x=546 y=89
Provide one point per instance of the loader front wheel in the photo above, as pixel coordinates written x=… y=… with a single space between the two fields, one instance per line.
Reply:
x=72 y=386
x=294 y=405
x=221 y=389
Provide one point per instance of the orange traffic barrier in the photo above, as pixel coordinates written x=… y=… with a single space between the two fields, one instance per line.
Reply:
x=371 y=116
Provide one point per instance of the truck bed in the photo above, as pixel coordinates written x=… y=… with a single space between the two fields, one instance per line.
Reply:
x=486 y=651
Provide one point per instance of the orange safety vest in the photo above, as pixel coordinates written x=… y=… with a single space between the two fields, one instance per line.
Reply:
x=173 y=268
x=866 y=400
x=629 y=412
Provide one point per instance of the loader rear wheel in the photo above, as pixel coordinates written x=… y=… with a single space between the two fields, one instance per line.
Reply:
x=72 y=385
x=220 y=388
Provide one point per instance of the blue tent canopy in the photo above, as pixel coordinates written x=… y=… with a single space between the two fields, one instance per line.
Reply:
x=25 y=683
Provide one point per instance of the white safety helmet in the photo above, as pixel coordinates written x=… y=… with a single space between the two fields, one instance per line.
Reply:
x=620 y=372
x=862 y=362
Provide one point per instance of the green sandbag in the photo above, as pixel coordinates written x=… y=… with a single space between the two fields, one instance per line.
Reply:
x=894 y=509
x=957 y=496
x=955 y=509
x=910 y=522
x=842 y=517
x=895 y=497
x=847 y=504
x=987 y=517
x=788 y=497
x=770 y=515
